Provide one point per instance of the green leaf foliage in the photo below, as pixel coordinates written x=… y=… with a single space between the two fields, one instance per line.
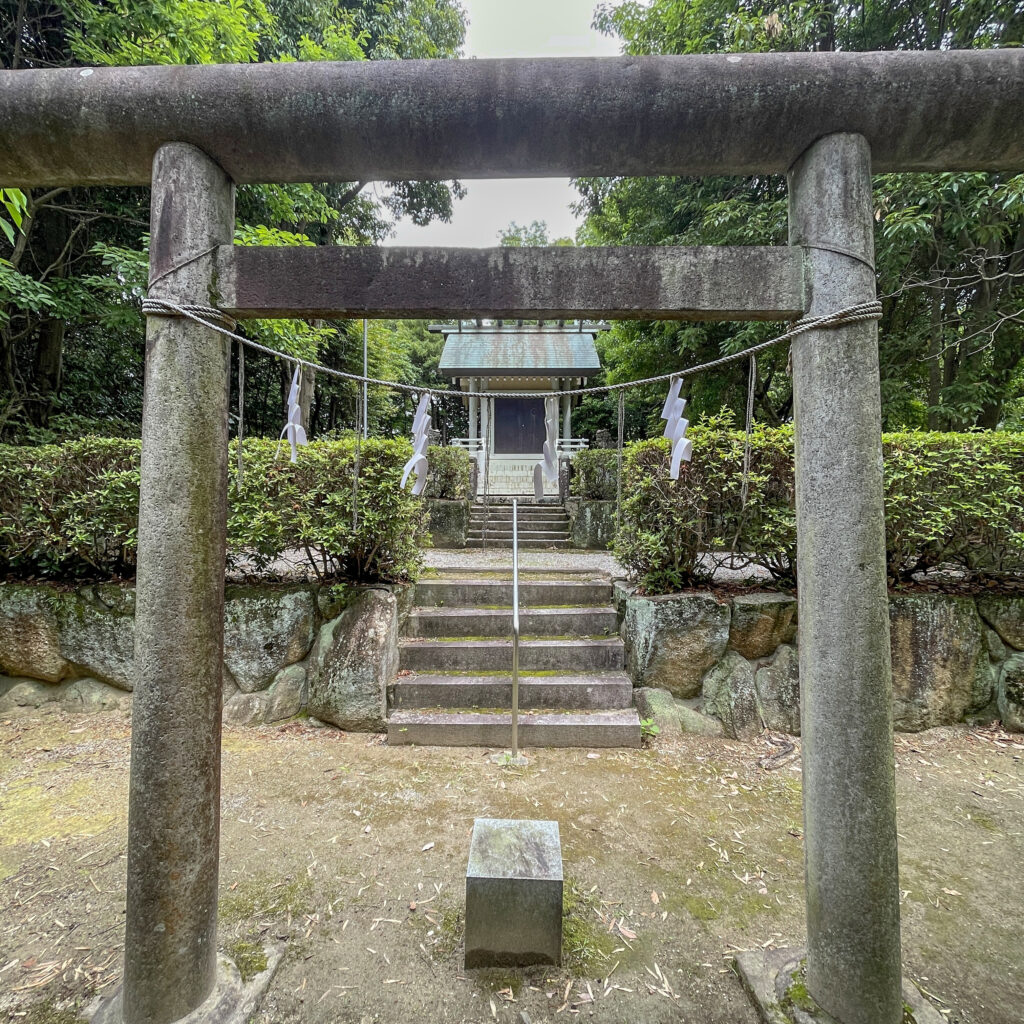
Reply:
x=73 y=261
x=950 y=499
x=595 y=474
x=71 y=510
x=309 y=506
x=949 y=247
x=449 y=473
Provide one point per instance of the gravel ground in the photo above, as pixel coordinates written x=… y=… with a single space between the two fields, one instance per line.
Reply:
x=570 y=560
x=352 y=855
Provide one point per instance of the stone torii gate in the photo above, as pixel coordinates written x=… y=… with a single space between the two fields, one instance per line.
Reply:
x=827 y=120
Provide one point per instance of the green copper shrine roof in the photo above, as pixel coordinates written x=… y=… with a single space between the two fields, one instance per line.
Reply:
x=512 y=351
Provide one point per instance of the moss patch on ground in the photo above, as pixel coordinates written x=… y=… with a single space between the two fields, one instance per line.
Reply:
x=250 y=958
x=35 y=810
x=265 y=897
x=586 y=945
x=47 y=1013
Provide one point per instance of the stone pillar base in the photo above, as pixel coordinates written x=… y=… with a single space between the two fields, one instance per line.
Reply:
x=232 y=1000
x=768 y=977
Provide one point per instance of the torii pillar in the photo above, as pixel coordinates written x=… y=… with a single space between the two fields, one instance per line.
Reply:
x=174 y=796
x=853 y=913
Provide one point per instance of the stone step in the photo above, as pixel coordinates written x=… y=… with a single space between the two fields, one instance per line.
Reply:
x=528 y=500
x=496 y=526
x=531 y=523
x=433 y=621
x=574 y=655
x=523 y=520
x=523 y=511
x=524 y=545
x=619 y=728
x=454 y=593
x=549 y=504
x=524 y=535
x=608 y=690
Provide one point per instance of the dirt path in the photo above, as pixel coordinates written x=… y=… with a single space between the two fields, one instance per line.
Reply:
x=353 y=854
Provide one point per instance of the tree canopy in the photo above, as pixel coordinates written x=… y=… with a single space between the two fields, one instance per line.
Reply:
x=73 y=261
x=950 y=247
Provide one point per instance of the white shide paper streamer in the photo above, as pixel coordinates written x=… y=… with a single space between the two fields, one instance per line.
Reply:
x=547 y=469
x=420 y=439
x=675 y=427
x=293 y=427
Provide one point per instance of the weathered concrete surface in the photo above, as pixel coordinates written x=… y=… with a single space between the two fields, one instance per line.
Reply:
x=497 y=622
x=1006 y=616
x=265 y=630
x=591 y=523
x=231 y=1001
x=654 y=283
x=371 y=121
x=1010 y=693
x=940 y=661
x=777 y=686
x=853 y=957
x=486 y=593
x=620 y=728
x=577 y=692
x=767 y=976
x=29 y=634
x=514 y=894
x=449 y=522
x=760 y=622
x=495 y=655
x=174 y=797
x=354 y=658
x=731 y=697
x=671 y=641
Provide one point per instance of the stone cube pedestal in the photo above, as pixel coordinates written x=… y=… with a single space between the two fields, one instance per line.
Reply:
x=514 y=894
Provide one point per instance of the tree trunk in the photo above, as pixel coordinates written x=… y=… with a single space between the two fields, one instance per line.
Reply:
x=48 y=370
x=52 y=234
x=307 y=386
x=935 y=363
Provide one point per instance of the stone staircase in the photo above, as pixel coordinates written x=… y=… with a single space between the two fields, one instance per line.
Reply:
x=455 y=664
x=541 y=525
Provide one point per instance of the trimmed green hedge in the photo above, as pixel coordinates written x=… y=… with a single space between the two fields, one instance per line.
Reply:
x=71 y=510
x=449 y=476
x=950 y=499
x=594 y=474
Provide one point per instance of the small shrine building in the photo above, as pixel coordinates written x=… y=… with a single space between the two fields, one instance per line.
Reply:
x=528 y=357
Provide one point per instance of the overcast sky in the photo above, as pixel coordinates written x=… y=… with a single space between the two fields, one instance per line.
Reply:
x=516 y=28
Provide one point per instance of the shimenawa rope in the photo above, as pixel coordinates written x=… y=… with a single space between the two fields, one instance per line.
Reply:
x=208 y=317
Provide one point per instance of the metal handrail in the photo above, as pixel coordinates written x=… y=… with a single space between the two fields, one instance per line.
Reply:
x=515 y=629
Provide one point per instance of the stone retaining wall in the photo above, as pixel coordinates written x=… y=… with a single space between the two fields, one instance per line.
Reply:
x=591 y=523
x=735 y=660
x=288 y=649
x=716 y=664
x=449 y=522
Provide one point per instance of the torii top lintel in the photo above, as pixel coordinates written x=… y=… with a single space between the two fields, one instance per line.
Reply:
x=380 y=120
